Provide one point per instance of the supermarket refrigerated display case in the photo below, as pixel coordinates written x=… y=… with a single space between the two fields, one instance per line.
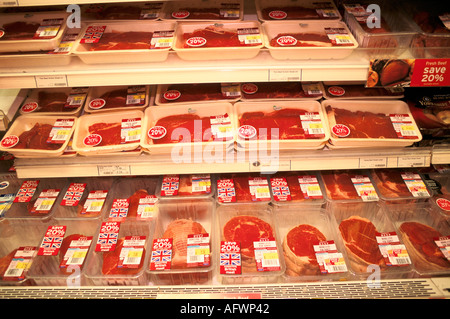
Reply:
x=263 y=68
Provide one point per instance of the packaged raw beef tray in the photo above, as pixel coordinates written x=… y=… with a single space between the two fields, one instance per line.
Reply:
x=401 y=186
x=84 y=198
x=433 y=38
x=389 y=36
x=199 y=10
x=9 y=186
x=426 y=234
x=265 y=91
x=285 y=124
x=169 y=94
x=308 y=40
x=62 y=253
x=312 y=250
x=108 y=133
x=250 y=245
x=18 y=251
x=119 y=98
x=182 y=247
x=59 y=101
x=120 y=254
x=133 y=198
x=34 y=135
x=296 y=10
x=349 y=190
x=185 y=130
x=218 y=41
x=372 y=243
x=243 y=188
x=368 y=123
x=36 y=200
x=119 y=42
x=122 y=11
x=441 y=190
x=184 y=186
x=358 y=91
x=293 y=189
x=31 y=31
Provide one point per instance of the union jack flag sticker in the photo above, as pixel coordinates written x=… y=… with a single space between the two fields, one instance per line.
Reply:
x=107 y=238
x=230 y=259
x=162 y=255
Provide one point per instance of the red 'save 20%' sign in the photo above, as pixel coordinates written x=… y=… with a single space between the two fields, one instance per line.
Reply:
x=431 y=72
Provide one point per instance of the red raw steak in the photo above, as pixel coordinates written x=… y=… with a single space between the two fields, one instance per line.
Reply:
x=36 y=138
x=391 y=184
x=299 y=252
x=134 y=202
x=304 y=40
x=284 y=124
x=363 y=124
x=122 y=41
x=427 y=255
x=110 y=133
x=111 y=261
x=359 y=235
x=19 y=30
x=292 y=12
x=246 y=230
x=196 y=92
x=339 y=185
x=64 y=247
x=216 y=37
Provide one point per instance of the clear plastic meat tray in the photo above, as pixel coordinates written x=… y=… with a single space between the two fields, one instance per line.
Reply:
x=307 y=118
x=62 y=263
x=192 y=137
x=184 y=230
x=371 y=242
x=313 y=252
x=9 y=186
x=395 y=127
x=118 y=131
x=292 y=190
x=122 y=11
x=120 y=98
x=155 y=48
x=390 y=38
x=307 y=40
x=273 y=91
x=218 y=41
x=53 y=98
x=241 y=189
x=36 y=200
x=84 y=198
x=186 y=186
x=58 y=128
x=401 y=186
x=358 y=91
x=18 y=251
x=124 y=263
x=199 y=10
x=173 y=94
x=288 y=10
x=42 y=31
x=252 y=233
x=425 y=233
x=133 y=198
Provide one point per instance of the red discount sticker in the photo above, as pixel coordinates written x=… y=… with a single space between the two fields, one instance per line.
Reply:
x=431 y=72
x=92 y=140
x=443 y=204
x=10 y=141
x=340 y=130
x=157 y=132
x=180 y=14
x=196 y=42
x=287 y=40
x=247 y=131
x=97 y=104
x=277 y=15
x=29 y=107
x=172 y=95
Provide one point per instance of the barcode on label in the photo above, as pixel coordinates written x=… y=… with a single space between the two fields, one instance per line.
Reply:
x=402 y=261
x=337 y=268
x=270 y=263
x=13 y=272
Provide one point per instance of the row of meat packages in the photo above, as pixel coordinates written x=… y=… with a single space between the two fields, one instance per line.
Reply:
x=270 y=243
x=218 y=127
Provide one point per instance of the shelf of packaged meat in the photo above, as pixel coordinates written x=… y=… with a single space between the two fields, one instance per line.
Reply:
x=175 y=70
x=152 y=164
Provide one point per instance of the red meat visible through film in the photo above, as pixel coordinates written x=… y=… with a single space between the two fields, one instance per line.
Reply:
x=110 y=133
x=36 y=138
x=122 y=41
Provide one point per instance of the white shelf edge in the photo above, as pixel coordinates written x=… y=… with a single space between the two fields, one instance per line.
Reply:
x=32 y=3
x=146 y=164
x=176 y=70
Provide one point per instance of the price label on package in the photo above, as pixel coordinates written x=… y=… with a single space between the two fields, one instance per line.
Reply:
x=431 y=73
